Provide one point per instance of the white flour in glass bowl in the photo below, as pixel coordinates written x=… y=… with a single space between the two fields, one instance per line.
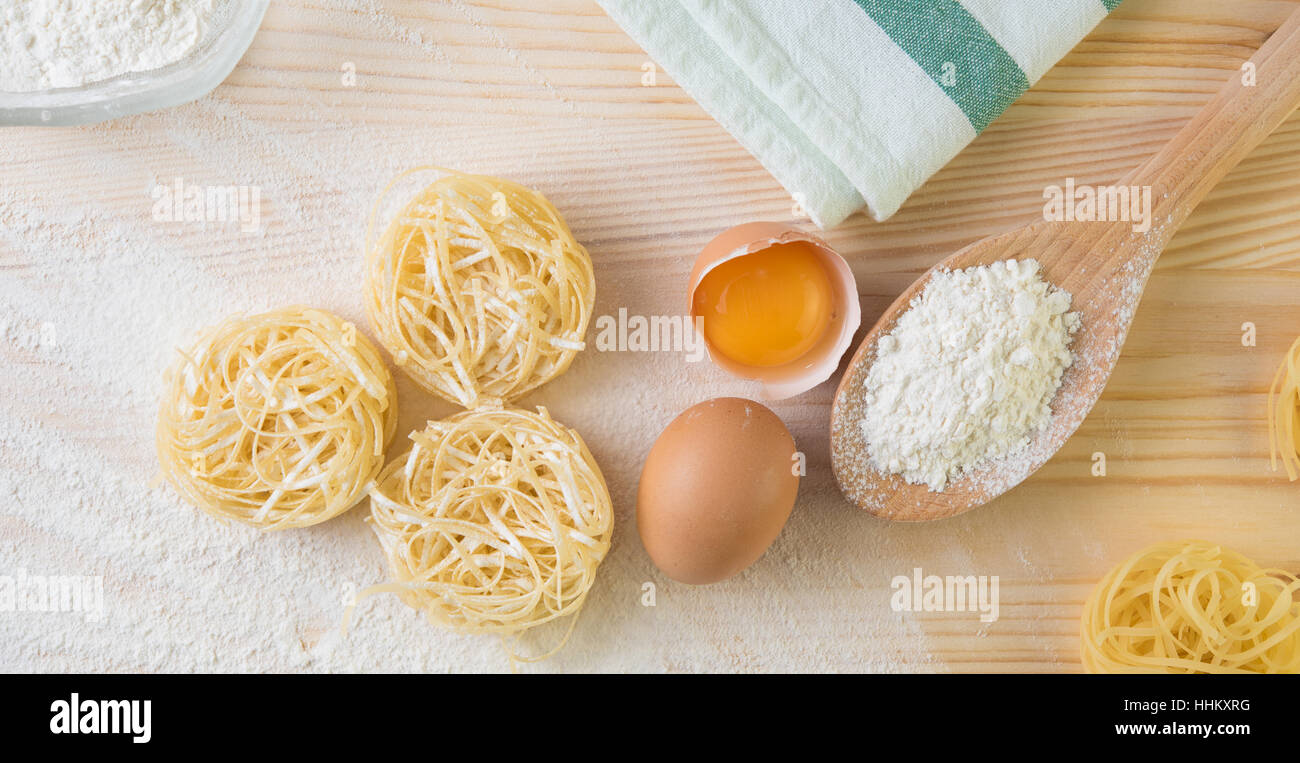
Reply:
x=68 y=43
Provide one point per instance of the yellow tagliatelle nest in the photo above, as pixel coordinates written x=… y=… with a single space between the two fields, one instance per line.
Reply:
x=276 y=420
x=478 y=288
x=1192 y=607
x=494 y=522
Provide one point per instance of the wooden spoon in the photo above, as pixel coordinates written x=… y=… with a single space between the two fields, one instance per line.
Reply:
x=1104 y=265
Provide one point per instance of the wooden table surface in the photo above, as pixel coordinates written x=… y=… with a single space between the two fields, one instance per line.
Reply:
x=550 y=94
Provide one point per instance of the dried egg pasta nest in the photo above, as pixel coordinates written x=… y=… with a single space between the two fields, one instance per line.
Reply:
x=478 y=288
x=276 y=420
x=494 y=522
x=1192 y=607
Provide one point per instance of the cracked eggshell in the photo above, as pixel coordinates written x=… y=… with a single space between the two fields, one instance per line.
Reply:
x=820 y=362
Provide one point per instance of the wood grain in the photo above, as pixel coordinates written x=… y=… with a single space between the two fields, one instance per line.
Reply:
x=550 y=94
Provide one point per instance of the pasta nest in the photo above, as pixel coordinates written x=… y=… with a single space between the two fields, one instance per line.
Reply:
x=478 y=288
x=494 y=522
x=276 y=420
x=1192 y=607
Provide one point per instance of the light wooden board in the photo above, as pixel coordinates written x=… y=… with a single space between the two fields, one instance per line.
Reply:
x=551 y=95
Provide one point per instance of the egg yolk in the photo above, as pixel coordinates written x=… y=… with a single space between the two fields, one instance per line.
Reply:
x=767 y=308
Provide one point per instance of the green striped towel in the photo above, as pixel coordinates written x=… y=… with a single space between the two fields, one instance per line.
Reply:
x=853 y=103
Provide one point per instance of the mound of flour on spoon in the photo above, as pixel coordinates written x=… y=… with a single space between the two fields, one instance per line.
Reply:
x=968 y=373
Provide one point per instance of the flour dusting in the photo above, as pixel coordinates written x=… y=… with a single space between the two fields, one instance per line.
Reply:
x=97 y=294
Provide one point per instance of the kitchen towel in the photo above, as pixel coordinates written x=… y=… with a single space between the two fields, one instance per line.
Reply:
x=855 y=103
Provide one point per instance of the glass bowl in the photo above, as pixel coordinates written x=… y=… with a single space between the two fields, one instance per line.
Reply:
x=194 y=76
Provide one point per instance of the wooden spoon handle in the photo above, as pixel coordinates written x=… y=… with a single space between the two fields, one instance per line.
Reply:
x=1245 y=111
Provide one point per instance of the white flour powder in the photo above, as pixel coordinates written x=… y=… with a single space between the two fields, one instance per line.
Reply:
x=968 y=373
x=67 y=43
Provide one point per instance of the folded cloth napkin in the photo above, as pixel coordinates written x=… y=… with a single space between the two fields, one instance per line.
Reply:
x=853 y=103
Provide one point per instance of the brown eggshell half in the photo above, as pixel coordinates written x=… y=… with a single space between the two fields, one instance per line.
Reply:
x=716 y=489
x=820 y=362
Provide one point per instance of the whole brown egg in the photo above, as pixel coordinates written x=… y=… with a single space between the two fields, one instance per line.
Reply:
x=716 y=489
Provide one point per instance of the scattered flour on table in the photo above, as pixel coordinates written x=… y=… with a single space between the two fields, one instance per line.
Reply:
x=68 y=43
x=968 y=373
x=96 y=296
